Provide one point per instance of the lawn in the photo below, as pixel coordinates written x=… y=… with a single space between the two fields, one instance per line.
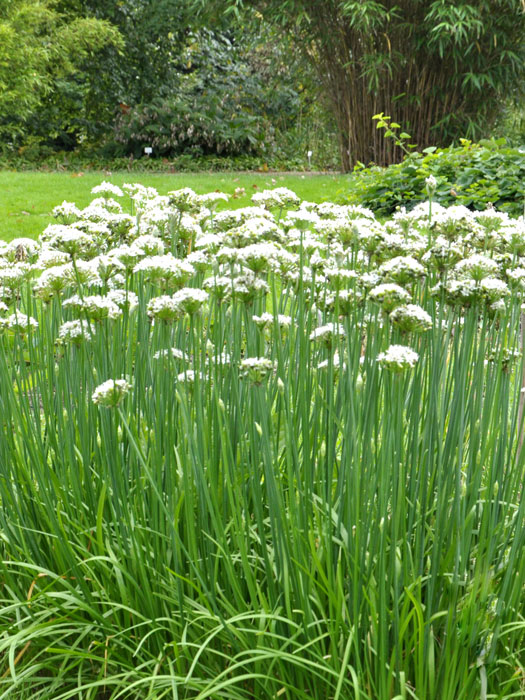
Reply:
x=28 y=198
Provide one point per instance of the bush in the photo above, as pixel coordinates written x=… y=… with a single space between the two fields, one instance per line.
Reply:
x=231 y=95
x=190 y=124
x=473 y=174
x=219 y=105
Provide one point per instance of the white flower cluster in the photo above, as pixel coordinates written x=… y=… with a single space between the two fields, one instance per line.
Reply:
x=73 y=241
x=164 y=308
x=111 y=393
x=411 y=318
x=175 y=261
x=75 y=332
x=258 y=257
x=267 y=320
x=279 y=197
x=169 y=353
x=185 y=200
x=171 y=308
x=15 y=276
x=54 y=280
x=211 y=199
x=476 y=267
x=166 y=270
x=389 y=295
x=226 y=220
x=67 y=212
x=398 y=358
x=257 y=369
x=190 y=300
x=19 y=323
x=20 y=250
x=95 y=307
x=106 y=189
x=327 y=334
x=401 y=269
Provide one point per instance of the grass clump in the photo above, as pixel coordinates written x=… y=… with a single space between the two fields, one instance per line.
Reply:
x=265 y=452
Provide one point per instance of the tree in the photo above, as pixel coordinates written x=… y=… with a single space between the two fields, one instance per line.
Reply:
x=154 y=34
x=232 y=95
x=143 y=66
x=38 y=47
x=441 y=69
x=183 y=84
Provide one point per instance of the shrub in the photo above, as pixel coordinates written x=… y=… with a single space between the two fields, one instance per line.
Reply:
x=40 y=51
x=230 y=96
x=472 y=174
x=190 y=124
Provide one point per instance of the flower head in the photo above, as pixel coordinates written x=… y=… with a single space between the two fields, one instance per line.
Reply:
x=184 y=200
x=95 y=307
x=389 y=295
x=431 y=185
x=19 y=323
x=411 y=318
x=164 y=308
x=111 y=393
x=257 y=369
x=75 y=332
x=327 y=333
x=106 y=190
x=190 y=300
x=398 y=358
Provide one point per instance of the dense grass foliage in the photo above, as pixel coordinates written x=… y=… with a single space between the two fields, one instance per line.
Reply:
x=473 y=174
x=270 y=452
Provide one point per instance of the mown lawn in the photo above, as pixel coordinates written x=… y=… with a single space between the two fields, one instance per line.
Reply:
x=27 y=199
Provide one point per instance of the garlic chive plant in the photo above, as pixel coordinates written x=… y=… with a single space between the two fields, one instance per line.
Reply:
x=264 y=452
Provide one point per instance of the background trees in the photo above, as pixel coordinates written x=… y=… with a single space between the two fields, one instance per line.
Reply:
x=199 y=77
x=39 y=47
x=183 y=82
x=229 y=95
x=441 y=69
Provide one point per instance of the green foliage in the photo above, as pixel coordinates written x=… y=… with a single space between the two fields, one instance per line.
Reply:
x=213 y=109
x=173 y=84
x=155 y=35
x=511 y=124
x=38 y=48
x=390 y=132
x=46 y=160
x=233 y=97
x=441 y=69
x=473 y=174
